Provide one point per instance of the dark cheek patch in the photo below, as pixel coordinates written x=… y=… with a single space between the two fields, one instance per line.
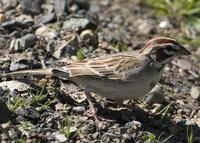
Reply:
x=161 y=56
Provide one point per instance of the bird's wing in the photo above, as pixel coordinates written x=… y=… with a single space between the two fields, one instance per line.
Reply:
x=116 y=66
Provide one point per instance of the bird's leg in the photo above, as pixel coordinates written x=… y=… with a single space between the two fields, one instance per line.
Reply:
x=94 y=108
x=91 y=102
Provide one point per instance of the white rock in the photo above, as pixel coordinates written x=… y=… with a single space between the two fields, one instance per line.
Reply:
x=76 y=23
x=198 y=122
x=59 y=106
x=46 y=32
x=195 y=92
x=14 y=85
x=79 y=109
x=145 y=26
x=24 y=18
x=60 y=137
x=73 y=129
x=165 y=24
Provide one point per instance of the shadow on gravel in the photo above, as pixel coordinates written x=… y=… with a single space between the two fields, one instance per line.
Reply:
x=157 y=125
x=161 y=127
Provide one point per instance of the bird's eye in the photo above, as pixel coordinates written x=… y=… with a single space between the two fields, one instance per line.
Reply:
x=170 y=48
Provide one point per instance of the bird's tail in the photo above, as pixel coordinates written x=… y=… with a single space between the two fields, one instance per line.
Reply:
x=57 y=72
x=28 y=73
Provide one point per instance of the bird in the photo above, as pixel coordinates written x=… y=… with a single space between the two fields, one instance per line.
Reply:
x=118 y=76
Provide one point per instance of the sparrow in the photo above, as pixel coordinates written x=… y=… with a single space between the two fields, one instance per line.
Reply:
x=119 y=76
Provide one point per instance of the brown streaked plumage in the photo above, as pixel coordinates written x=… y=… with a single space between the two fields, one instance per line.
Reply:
x=159 y=40
x=109 y=66
x=119 y=76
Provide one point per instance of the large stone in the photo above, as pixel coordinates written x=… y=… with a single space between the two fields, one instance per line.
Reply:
x=14 y=85
x=23 y=21
x=60 y=137
x=28 y=41
x=63 y=50
x=156 y=95
x=82 y=4
x=78 y=23
x=31 y=6
x=45 y=19
x=21 y=61
x=89 y=38
x=8 y=4
x=46 y=32
x=60 y=7
x=6 y=114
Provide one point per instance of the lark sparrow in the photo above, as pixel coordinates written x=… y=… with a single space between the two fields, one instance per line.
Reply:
x=126 y=75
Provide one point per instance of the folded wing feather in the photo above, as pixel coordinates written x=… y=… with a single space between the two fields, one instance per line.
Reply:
x=116 y=66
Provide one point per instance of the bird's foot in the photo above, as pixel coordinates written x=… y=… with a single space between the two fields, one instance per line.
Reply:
x=100 y=121
x=94 y=107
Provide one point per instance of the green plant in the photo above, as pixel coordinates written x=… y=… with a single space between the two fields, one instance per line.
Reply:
x=40 y=95
x=66 y=126
x=189 y=134
x=186 y=13
x=80 y=54
x=23 y=102
x=165 y=110
x=17 y=102
x=27 y=125
x=20 y=141
x=46 y=105
x=120 y=46
x=151 y=138
x=183 y=8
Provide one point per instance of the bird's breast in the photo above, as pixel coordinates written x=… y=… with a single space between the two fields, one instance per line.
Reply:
x=134 y=88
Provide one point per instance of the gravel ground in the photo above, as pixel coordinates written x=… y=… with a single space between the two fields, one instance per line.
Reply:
x=36 y=34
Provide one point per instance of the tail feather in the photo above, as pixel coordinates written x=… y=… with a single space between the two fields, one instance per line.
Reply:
x=61 y=73
x=57 y=72
x=33 y=72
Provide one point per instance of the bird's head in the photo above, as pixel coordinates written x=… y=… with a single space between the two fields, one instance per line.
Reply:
x=163 y=49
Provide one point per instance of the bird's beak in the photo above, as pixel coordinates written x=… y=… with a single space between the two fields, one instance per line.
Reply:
x=184 y=51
